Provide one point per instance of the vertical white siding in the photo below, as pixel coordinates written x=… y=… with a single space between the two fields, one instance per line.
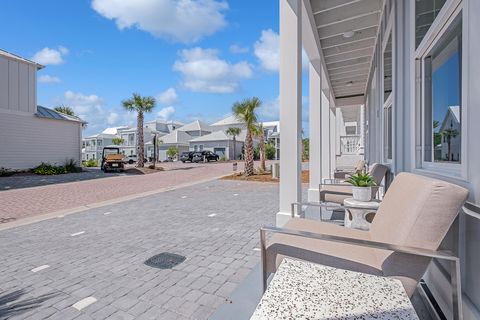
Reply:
x=3 y=83
x=13 y=75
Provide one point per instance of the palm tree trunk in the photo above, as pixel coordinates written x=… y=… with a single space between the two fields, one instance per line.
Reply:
x=234 y=148
x=140 y=142
x=262 y=152
x=248 y=154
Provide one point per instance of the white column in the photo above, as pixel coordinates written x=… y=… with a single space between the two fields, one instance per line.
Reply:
x=362 y=129
x=315 y=130
x=290 y=106
x=325 y=136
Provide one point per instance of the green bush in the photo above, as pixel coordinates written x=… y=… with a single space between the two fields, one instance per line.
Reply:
x=71 y=166
x=270 y=151
x=46 y=169
x=4 y=172
x=91 y=163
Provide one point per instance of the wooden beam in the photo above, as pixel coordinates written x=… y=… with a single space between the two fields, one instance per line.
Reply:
x=349 y=47
x=359 y=23
x=368 y=33
x=319 y=6
x=348 y=63
x=349 y=55
x=348 y=12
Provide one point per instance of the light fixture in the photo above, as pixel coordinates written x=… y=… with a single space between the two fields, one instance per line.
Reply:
x=350 y=83
x=348 y=34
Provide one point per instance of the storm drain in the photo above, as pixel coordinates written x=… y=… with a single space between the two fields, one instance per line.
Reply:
x=165 y=260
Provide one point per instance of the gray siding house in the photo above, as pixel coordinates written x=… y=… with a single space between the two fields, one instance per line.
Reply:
x=32 y=134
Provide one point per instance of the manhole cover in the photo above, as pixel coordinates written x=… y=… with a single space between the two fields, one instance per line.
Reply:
x=165 y=260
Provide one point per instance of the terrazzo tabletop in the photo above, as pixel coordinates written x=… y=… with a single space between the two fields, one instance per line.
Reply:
x=303 y=290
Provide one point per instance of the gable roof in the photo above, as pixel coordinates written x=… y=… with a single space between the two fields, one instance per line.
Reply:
x=455 y=112
x=230 y=120
x=195 y=126
x=21 y=59
x=47 y=113
x=115 y=130
x=176 y=137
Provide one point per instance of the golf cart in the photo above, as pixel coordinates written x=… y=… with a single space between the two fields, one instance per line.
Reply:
x=112 y=159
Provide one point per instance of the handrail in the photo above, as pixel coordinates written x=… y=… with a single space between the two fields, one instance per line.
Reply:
x=472 y=210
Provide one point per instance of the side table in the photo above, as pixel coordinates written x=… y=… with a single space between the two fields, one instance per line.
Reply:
x=356 y=212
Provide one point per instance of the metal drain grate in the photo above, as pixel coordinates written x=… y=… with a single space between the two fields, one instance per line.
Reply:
x=165 y=260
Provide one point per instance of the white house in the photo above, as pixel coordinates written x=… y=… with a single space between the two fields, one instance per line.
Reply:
x=451 y=144
x=220 y=143
x=93 y=145
x=32 y=134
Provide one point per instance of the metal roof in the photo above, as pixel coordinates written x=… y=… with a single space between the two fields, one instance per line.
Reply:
x=43 y=112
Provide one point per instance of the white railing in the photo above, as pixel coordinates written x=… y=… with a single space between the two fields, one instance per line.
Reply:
x=349 y=144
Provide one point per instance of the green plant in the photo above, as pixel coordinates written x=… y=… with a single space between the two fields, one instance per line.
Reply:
x=270 y=151
x=65 y=110
x=91 y=163
x=46 y=169
x=117 y=141
x=361 y=180
x=172 y=152
x=245 y=112
x=4 y=172
x=222 y=159
x=141 y=105
x=71 y=166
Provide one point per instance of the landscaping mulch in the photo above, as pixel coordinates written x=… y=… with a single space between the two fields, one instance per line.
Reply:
x=145 y=170
x=263 y=177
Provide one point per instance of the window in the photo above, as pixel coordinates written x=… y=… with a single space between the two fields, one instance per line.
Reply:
x=425 y=13
x=195 y=148
x=201 y=147
x=388 y=98
x=442 y=103
x=99 y=143
x=350 y=130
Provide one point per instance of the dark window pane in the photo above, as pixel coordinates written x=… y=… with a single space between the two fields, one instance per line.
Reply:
x=425 y=13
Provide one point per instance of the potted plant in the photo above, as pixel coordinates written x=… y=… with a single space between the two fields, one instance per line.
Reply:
x=362 y=184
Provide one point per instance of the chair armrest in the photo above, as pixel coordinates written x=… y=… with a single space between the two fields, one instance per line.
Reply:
x=444 y=255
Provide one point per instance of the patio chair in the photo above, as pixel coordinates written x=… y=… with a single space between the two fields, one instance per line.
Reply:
x=336 y=193
x=409 y=226
x=343 y=174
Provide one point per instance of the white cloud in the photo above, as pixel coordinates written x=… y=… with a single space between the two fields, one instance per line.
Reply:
x=166 y=113
x=204 y=71
x=270 y=110
x=267 y=51
x=167 y=97
x=113 y=118
x=238 y=49
x=82 y=104
x=48 y=56
x=49 y=79
x=184 y=21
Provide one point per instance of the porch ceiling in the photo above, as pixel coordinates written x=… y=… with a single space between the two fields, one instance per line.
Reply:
x=347 y=30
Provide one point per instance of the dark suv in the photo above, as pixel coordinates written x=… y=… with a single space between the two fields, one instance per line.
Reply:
x=207 y=155
x=186 y=156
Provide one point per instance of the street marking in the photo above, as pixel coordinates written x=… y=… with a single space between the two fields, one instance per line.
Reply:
x=84 y=303
x=256 y=249
x=45 y=266
x=212 y=215
x=77 y=234
x=107 y=213
x=60 y=216
x=184 y=197
x=235 y=194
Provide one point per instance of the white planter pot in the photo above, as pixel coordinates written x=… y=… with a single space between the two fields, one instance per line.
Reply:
x=362 y=193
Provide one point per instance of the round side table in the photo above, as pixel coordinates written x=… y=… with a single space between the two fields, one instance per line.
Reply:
x=356 y=212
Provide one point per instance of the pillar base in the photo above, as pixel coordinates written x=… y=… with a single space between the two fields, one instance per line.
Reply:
x=313 y=195
x=282 y=218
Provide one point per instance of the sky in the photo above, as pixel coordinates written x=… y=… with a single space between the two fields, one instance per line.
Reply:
x=196 y=57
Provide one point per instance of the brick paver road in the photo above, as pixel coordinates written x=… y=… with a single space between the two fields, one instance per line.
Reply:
x=100 y=253
x=22 y=203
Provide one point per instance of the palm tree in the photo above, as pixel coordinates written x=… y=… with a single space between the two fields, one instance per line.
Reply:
x=261 y=134
x=245 y=112
x=65 y=110
x=234 y=132
x=449 y=134
x=141 y=105
x=117 y=141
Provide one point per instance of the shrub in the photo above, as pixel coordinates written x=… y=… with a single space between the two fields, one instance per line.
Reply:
x=91 y=163
x=47 y=169
x=4 y=172
x=361 y=180
x=71 y=166
x=270 y=151
x=222 y=159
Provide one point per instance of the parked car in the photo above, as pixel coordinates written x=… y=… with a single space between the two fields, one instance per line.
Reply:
x=132 y=159
x=186 y=156
x=207 y=155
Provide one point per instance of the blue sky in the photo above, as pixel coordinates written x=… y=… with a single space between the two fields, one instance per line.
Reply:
x=196 y=56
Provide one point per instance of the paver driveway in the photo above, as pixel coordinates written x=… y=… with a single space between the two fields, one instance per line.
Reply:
x=23 y=203
x=100 y=253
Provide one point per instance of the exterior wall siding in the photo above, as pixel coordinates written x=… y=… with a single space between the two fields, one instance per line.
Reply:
x=17 y=86
x=27 y=140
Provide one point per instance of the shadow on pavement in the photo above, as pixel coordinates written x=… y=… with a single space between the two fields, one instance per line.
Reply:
x=11 y=305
